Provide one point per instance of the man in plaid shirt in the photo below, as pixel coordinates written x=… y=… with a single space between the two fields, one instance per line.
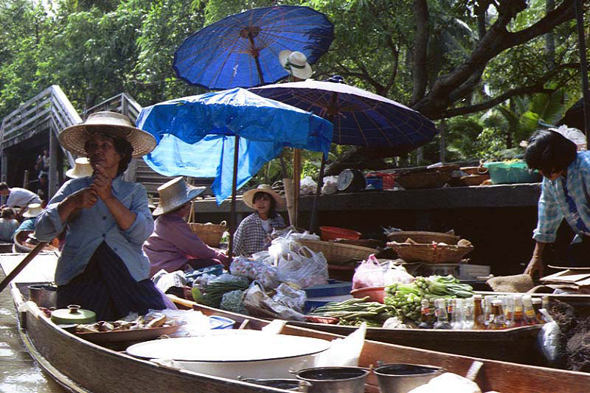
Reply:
x=564 y=195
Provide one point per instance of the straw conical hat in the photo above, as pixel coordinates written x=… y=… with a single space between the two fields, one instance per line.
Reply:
x=174 y=194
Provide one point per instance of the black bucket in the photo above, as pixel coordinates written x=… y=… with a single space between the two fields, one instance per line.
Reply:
x=401 y=378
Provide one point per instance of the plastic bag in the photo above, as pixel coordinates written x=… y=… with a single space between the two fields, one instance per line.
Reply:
x=193 y=323
x=255 y=270
x=368 y=274
x=290 y=297
x=397 y=273
x=344 y=351
x=303 y=267
x=307 y=186
x=258 y=303
x=548 y=338
x=330 y=185
x=448 y=383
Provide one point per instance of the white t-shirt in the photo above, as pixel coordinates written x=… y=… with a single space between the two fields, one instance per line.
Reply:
x=266 y=225
x=21 y=197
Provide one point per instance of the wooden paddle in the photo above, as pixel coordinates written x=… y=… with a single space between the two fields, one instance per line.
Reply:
x=30 y=256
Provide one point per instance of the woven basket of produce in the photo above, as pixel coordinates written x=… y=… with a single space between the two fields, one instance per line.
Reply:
x=433 y=252
x=209 y=233
x=338 y=253
x=423 y=237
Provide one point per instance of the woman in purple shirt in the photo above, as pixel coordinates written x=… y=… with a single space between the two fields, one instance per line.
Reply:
x=173 y=246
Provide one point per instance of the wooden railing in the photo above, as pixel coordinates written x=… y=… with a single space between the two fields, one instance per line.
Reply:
x=49 y=109
x=121 y=103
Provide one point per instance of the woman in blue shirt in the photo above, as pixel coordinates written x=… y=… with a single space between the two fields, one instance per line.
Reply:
x=564 y=195
x=106 y=219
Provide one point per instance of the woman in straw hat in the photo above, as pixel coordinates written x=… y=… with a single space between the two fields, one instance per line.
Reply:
x=106 y=219
x=253 y=233
x=173 y=245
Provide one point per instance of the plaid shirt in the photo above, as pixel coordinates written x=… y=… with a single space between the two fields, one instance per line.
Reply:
x=554 y=206
x=251 y=237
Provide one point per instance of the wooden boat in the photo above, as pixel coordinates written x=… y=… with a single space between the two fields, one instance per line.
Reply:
x=82 y=366
x=518 y=345
x=24 y=243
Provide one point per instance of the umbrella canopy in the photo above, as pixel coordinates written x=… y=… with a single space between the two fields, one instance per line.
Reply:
x=242 y=50
x=196 y=135
x=360 y=117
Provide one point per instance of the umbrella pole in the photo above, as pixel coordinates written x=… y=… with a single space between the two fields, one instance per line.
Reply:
x=316 y=199
x=232 y=218
x=296 y=183
x=256 y=59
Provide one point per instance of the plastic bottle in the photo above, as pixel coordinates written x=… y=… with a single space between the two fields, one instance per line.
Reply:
x=537 y=305
x=508 y=305
x=468 y=313
x=442 y=318
x=478 y=314
x=487 y=309
x=457 y=320
x=426 y=315
x=497 y=319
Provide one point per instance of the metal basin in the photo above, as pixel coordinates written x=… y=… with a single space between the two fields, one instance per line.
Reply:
x=44 y=295
x=334 y=379
x=401 y=378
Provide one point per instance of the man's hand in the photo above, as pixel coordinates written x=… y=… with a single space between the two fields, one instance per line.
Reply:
x=101 y=184
x=535 y=265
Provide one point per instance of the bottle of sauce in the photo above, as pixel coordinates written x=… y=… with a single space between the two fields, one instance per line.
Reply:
x=442 y=317
x=497 y=319
x=426 y=315
x=478 y=314
x=487 y=309
x=518 y=312
x=529 y=312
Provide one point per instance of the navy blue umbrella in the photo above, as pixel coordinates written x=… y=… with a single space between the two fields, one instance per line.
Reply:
x=242 y=50
x=359 y=117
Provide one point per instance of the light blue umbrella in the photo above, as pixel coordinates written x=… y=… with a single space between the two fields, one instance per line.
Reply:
x=201 y=136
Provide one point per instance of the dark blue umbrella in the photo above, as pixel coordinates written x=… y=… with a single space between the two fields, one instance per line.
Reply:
x=242 y=50
x=359 y=117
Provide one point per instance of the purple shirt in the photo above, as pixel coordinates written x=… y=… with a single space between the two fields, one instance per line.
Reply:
x=173 y=243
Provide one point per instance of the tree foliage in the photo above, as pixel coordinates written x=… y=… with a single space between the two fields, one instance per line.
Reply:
x=449 y=59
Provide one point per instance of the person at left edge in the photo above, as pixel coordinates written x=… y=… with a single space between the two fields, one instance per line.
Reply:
x=102 y=267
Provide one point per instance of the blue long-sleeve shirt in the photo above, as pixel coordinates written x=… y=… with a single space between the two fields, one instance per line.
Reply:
x=90 y=227
x=553 y=206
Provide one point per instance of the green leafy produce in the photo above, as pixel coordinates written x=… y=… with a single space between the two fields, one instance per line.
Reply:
x=353 y=312
x=214 y=291
x=232 y=301
x=406 y=298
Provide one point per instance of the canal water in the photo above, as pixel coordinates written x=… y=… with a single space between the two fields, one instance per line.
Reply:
x=19 y=373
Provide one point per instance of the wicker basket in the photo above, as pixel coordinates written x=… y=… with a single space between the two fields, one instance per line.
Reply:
x=209 y=233
x=430 y=253
x=423 y=237
x=338 y=253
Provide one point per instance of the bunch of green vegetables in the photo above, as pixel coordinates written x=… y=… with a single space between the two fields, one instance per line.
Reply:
x=353 y=312
x=212 y=294
x=406 y=298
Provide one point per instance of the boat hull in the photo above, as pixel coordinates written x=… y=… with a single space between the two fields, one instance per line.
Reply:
x=85 y=367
